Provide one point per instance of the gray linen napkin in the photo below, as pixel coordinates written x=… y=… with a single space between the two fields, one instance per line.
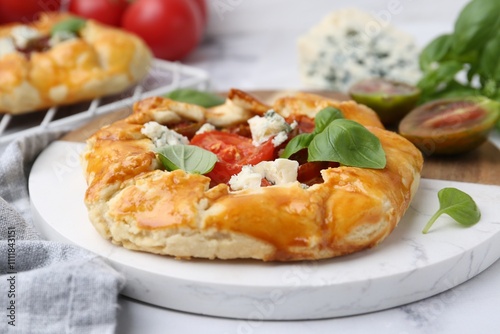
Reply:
x=46 y=287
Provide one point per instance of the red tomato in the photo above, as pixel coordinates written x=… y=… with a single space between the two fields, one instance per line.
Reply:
x=171 y=28
x=202 y=5
x=25 y=10
x=105 y=11
x=310 y=172
x=304 y=123
x=233 y=151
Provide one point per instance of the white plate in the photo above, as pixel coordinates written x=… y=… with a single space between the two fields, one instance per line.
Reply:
x=406 y=267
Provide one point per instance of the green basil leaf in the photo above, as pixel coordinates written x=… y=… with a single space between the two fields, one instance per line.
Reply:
x=489 y=64
x=458 y=205
x=475 y=25
x=453 y=89
x=348 y=143
x=443 y=74
x=192 y=159
x=203 y=99
x=435 y=51
x=297 y=143
x=324 y=117
x=73 y=25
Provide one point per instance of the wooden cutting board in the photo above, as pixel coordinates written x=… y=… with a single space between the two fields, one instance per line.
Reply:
x=479 y=166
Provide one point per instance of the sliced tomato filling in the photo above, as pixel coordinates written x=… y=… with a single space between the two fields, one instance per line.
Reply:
x=234 y=152
x=187 y=128
x=234 y=149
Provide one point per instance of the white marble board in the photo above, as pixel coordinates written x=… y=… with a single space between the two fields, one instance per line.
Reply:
x=408 y=266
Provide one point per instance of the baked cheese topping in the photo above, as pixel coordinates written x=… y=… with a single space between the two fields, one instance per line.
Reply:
x=162 y=135
x=207 y=127
x=270 y=125
x=277 y=172
x=350 y=45
x=23 y=35
x=6 y=46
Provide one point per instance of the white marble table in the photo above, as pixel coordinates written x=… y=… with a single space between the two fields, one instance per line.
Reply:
x=251 y=49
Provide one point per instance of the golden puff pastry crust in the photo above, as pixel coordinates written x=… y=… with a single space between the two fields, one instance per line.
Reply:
x=101 y=61
x=136 y=204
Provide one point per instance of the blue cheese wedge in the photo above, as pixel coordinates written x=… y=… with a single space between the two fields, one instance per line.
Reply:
x=350 y=45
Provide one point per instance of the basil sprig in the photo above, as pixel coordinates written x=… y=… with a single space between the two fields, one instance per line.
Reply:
x=71 y=25
x=339 y=140
x=472 y=48
x=458 y=205
x=192 y=159
x=323 y=118
x=203 y=99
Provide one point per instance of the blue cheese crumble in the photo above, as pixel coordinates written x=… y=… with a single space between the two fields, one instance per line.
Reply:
x=23 y=35
x=350 y=45
x=207 y=127
x=270 y=125
x=277 y=172
x=162 y=135
x=6 y=46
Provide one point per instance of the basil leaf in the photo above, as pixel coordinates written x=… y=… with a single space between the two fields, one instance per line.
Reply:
x=203 y=99
x=297 y=143
x=458 y=205
x=444 y=73
x=348 y=143
x=324 y=117
x=73 y=25
x=489 y=62
x=452 y=89
x=435 y=51
x=192 y=159
x=477 y=23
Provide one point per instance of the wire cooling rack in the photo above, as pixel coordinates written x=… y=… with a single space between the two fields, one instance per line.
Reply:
x=163 y=77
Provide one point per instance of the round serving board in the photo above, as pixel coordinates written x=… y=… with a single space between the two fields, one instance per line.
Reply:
x=408 y=266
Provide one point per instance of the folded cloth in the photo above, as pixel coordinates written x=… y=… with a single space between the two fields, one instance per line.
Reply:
x=46 y=287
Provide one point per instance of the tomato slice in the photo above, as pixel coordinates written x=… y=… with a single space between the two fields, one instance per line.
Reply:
x=234 y=152
x=309 y=173
x=304 y=123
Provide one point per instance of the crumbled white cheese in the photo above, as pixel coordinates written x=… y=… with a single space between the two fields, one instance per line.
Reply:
x=6 y=46
x=207 y=127
x=270 y=125
x=350 y=45
x=23 y=35
x=162 y=135
x=280 y=138
x=61 y=36
x=277 y=172
x=246 y=179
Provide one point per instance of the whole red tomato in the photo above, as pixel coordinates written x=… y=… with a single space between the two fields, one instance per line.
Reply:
x=202 y=5
x=25 y=10
x=171 y=28
x=105 y=11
